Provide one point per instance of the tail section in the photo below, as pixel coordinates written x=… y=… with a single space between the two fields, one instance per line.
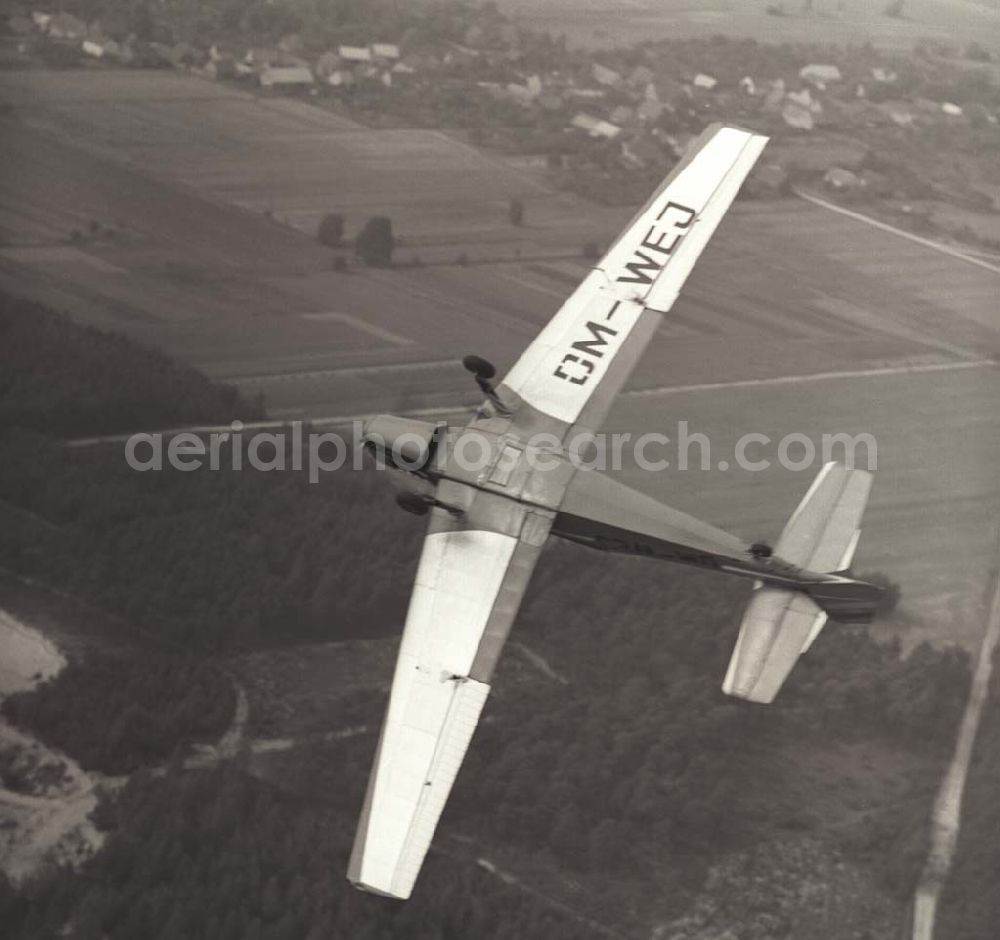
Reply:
x=780 y=624
x=846 y=600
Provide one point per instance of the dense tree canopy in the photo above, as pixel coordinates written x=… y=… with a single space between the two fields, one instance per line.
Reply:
x=71 y=380
x=117 y=712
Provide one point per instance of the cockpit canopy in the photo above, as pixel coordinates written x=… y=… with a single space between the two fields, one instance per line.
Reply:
x=402 y=443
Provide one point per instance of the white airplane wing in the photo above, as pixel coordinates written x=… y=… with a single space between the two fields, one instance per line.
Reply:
x=468 y=588
x=472 y=574
x=581 y=359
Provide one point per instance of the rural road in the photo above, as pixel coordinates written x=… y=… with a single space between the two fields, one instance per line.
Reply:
x=885 y=227
x=947 y=814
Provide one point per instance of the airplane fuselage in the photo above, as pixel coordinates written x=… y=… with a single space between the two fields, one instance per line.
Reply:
x=492 y=456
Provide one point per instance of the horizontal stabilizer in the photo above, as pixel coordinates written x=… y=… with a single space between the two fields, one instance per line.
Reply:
x=823 y=531
x=777 y=628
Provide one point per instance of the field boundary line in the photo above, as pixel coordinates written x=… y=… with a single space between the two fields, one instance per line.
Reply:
x=812 y=377
x=902 y=233
x=947 y=816
x=446 y=410
x=334 y=371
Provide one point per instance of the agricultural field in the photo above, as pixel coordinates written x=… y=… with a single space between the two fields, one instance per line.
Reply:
x=295 y=162
x=592 y=24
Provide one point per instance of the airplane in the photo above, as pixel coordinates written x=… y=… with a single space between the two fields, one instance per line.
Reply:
x=488 y=524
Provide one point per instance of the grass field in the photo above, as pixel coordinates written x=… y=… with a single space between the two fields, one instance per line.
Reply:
x=593 y=24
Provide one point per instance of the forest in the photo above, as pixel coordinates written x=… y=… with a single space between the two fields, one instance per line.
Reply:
x=632 y=780
x=70 y=380
x=623 y=789
x=129 y=710
x=213 y=560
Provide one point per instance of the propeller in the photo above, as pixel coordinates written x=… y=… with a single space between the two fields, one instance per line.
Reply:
x=479 y=367
x=484 y=371
x=413 y=502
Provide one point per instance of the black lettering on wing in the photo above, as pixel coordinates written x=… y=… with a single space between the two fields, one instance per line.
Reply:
x=560 y=373
x=592 y=346
x=683 y=216
x=658 y=245
x=639 y=266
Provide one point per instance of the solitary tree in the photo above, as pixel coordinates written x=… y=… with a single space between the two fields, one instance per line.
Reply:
x=375 y=243
x=515 y=211
x=331 y=229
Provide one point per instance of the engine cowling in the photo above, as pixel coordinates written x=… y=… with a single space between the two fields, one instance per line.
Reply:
x=403 y=443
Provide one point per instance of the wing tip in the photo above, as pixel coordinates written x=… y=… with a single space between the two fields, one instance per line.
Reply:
x=379 y=891
x=748 y=695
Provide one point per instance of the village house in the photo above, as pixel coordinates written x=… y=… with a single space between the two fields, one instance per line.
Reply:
x=797 y=116
x=355 y=54
x=820 y=75
x=286 y=76
x=100 y=47
x=605 y=76
x=595 y=127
